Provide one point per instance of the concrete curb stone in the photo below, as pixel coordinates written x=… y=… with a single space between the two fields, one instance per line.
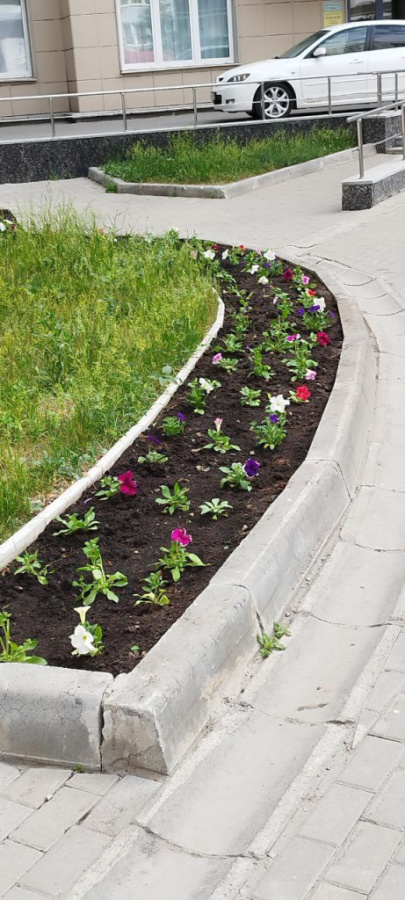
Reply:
x=152 y=715
x=232 y=188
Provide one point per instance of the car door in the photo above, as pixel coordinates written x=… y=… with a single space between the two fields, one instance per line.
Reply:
x=387 y=55
x=345 y=60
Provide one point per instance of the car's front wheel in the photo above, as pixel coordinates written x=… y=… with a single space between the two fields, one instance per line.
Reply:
x=277 y=102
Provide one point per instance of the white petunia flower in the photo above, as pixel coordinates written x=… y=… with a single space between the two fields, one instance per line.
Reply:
x=2 y=226
x=269 y=255
x=263 y=280
x=278 y=404
x=206 y=385
x=253 y=270
x=82 y=641
x=320 y=301
x=225 y=254
x=209 y=254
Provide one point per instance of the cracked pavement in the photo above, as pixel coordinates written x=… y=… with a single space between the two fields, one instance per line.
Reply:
x=296 y=789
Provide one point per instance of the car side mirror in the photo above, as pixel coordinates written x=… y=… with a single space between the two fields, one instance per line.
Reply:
x=319 y=51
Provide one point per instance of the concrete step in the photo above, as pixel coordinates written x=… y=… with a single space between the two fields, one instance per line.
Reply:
x=377 y=184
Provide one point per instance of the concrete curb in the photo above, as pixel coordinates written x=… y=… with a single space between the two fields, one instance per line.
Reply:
x=153 y=715
x=225 y=191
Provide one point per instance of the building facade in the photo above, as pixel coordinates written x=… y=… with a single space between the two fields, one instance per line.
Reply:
x=72 y=46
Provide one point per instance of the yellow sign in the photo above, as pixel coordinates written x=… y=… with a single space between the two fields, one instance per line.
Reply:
x=332 y=13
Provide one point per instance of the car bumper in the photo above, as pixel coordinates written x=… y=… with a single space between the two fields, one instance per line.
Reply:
x=233 y=97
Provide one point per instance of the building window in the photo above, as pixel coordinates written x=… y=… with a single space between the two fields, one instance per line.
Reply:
x=173 y=33
x=15 y=57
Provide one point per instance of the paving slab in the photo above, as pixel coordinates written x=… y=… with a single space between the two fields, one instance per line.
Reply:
x=36 y=785
x=335 y=814
x=15 y=860
x=326 y=891
x=388 y=808
x=153 y=870
x=363 y=862
x=384 y=467
x=376 y=519
x=314 y=675
x=358 y=586
x=57 y=871
x=392 y=885
x=8 y=774
x=286 y=882
x=121 y=804
x=388 y=685
x=392 y=724
x=232 y=792
x=47 y=824
x=96 y=783
x=11 y=815
x=373 y=761
x=18 y=893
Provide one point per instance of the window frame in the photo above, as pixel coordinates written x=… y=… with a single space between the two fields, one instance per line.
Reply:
x=30 y=76
x=161 y=65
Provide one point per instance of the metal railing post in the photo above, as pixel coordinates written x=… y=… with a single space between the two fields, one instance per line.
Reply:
x=124 y=112
x=195 y=110
x=329 y=95
x=379 y=89
x=360 y=148
x=396 y=87
x=262 y=100
x=52 y=117
x=403 y=129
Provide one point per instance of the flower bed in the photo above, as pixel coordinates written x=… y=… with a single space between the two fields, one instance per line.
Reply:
x=281 y=337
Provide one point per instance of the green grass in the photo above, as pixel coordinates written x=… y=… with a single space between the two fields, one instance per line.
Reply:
x=221 y=160
x=86 y=322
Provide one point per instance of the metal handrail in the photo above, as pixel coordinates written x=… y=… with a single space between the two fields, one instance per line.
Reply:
x=358 y=119
x=194 y=87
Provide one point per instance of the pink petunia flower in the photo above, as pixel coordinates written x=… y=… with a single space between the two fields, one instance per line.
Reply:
x=310 y=375
x=293 y=337
x=180 y=535
x=128 y=485
x=305 y=279
x=217 y=358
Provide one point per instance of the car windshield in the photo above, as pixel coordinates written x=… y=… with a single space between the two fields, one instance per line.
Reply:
x=303 y=45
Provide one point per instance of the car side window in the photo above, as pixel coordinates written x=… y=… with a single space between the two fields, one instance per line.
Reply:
x=351 y=40
x=387 y=37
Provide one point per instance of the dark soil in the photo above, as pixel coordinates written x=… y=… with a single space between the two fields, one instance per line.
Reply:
x=133 y=529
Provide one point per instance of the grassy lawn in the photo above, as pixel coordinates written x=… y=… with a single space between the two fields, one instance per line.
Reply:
x=222 y=160
x=87 y=323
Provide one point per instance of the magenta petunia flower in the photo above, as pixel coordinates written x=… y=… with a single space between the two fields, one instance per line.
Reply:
x=288 y=275
x=180 y=535
x=251 y=467
x=217 y=358
x=323 y=338
x=293 y=337
x=128 y=485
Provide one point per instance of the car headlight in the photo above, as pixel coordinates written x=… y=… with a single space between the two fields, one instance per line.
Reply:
x=242 y=77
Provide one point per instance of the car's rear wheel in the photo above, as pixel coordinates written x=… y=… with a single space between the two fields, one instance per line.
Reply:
x=278 y=101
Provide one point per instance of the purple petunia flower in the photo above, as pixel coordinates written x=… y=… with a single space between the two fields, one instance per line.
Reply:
x=251 y=467
x=332 y=314
x=274 y=418
x=267 y=265
x=314 y=308
x=181 y=417
x=301 y=311
x=154 y=440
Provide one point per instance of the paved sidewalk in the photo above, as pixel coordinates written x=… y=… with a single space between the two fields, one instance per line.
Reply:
x=296 y=791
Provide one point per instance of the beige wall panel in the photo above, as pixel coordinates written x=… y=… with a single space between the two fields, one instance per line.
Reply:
x=70 y=65
x=61 y=105
x=6 y=108
x=6 y=111
x=144 y=100
x=64 y=8
x=84 y=31
x=87 y=62
x=47 y=35
x=50 y=67
x=82 y=7
x=105 y=6
x=252 y=49
x=90 y=104
x=43 y=9
x=168 y=98
x=107 y=30
x=306 y=17
x=112 y=101
x=251 y=21
x=277 y=44
x=109 y=62
x=278 y=18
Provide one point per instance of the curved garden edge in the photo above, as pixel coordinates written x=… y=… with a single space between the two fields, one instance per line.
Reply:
x=150 y=717
x=226 y=191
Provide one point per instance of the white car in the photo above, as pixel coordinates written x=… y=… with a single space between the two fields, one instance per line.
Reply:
x=351 y=54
